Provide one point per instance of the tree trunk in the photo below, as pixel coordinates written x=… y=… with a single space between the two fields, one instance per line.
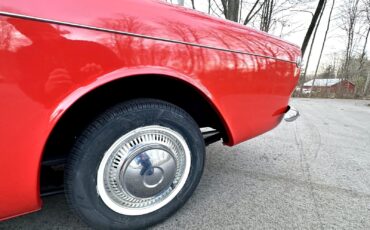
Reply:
x=312 y=26
x=233 y=10
x=240 y=11
x=311 y=46
x=192 y=4
x=366 y=88
x=253 y=12
x=266 y=15
x=351 y=17
x=363 y=54
x=323 y=45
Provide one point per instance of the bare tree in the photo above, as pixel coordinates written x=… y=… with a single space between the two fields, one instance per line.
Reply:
x=303 y=77
x=363 y=53
x=367 y=83
x=275 y=13
x=350 y=16
x=366 y=21
x=231 y=9
x=266 y=16
x=192 y=4
x=266 y=13
x=234 y=9
x=256 y=8
x=323 y=43
x=314 y=23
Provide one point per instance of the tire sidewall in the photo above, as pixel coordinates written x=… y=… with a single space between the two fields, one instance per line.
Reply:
x=106 y=130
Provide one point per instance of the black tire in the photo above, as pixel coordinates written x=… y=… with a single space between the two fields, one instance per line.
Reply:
x=87 y=153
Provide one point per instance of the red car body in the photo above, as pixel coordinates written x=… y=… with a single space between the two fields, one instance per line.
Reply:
x=54 y=53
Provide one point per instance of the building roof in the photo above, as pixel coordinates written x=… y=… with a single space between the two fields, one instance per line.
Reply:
x=323 y=82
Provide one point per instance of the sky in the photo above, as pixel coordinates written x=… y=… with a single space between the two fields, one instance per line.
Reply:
x=335 y=44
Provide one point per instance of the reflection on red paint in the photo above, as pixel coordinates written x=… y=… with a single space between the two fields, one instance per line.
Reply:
x=44 y=68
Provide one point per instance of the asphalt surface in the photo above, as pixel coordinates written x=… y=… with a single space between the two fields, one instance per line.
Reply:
x=310 y=174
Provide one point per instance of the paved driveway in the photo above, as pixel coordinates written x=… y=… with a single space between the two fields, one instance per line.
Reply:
x=314 y=173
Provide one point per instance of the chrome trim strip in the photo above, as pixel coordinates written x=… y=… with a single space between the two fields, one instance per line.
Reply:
x=135 y=35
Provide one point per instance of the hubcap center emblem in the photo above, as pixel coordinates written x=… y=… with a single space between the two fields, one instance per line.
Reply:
x=153 y=177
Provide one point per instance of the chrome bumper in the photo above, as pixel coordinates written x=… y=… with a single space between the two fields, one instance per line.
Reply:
x=291 y=114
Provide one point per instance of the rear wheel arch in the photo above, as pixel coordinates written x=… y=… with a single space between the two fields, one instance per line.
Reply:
x=158 y=86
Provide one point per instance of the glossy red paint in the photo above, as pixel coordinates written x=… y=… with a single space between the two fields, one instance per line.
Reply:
x=45 y=67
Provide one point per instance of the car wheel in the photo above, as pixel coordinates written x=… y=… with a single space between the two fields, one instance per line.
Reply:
x=135 y=165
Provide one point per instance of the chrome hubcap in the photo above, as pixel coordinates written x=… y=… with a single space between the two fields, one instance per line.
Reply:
x=143 y=170
x=149 y=173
